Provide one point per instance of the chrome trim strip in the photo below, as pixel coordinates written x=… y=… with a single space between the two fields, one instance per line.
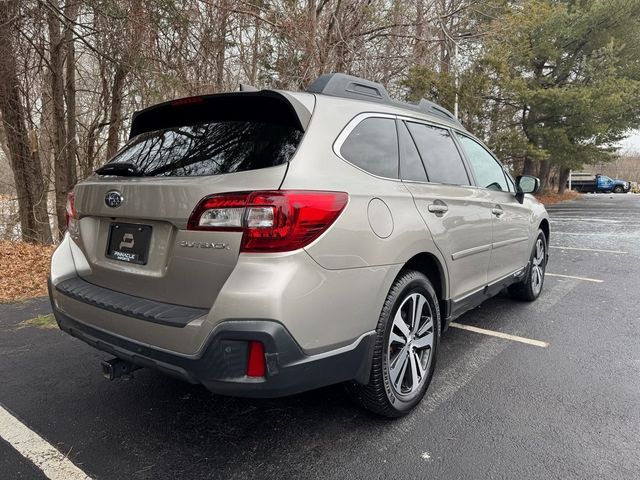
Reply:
x=470 y=251
x=511 y=241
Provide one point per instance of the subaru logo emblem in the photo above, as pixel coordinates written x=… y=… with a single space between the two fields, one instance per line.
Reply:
x=113 y=199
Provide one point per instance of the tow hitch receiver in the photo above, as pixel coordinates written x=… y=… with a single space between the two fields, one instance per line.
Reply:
x=116 y=368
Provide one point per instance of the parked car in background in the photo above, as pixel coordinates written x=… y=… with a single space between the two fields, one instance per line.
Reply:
x=589 y=183
x=265 y=243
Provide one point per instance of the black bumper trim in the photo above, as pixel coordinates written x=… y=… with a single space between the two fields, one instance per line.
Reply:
x=129 y=305
x=222 y=364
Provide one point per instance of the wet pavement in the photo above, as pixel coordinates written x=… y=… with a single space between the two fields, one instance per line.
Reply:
x=496 y=408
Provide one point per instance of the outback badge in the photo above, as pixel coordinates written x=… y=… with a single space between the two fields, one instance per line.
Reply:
x=215 y=246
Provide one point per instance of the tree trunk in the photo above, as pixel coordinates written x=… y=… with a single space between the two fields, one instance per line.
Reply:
x=562 y=180
x=115 y=118
x=419 y=44
x=255 y=45
x=97 y=125
x=221 y=44
x=543 y=174
x=24 y=160
x=71 y=12
x=61 y=169
x=529 y=166
x=309 y=63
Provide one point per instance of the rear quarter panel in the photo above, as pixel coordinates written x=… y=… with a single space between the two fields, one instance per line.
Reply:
x=352 y=242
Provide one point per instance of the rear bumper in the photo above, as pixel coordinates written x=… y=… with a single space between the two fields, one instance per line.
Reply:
x=222 y=364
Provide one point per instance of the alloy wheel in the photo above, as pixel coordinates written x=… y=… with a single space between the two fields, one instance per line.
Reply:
x=410 y=344
x=537 y=267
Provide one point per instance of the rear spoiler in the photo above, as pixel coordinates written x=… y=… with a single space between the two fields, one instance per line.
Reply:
x=264 y=105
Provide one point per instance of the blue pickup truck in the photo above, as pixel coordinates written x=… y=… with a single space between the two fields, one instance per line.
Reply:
x=590 y=183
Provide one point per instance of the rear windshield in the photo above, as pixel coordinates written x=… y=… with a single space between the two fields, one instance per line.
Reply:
x=211 y=148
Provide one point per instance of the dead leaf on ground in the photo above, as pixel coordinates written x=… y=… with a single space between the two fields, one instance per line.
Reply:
x=24 y=268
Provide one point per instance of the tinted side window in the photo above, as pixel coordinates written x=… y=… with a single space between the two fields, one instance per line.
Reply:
x=373 y=146
x=439 y=154
x=487 y=170
x=411 y=167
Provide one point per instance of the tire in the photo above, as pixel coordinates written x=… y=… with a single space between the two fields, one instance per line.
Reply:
x=618 y=189
x=530 y=287
x=392 y=390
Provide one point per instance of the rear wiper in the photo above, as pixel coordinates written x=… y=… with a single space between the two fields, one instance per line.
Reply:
x=123 y=169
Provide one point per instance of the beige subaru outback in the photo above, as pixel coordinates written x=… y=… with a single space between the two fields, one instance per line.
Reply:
x=264 y=243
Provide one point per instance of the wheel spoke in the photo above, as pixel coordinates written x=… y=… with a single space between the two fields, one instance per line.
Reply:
x=414 y=371
x=537 y=277
x=421 y=370
x=539 y=252
x=427 y=325
x=424 y=341
x=399 y=366
x=400 y=324
x=395 y=338
x=418 y=304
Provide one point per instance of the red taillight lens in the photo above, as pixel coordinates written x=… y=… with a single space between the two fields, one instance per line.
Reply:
x=272 y=221
x=297 y=218
x=70 y=211
x=255 y=363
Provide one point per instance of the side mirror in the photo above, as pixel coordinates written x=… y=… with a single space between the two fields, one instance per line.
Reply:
x=526 y=184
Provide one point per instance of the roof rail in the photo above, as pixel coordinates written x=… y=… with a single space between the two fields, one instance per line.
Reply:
x=348 y=86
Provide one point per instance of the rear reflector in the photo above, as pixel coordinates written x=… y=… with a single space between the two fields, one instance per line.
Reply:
x=255 y=363
x=271 y=221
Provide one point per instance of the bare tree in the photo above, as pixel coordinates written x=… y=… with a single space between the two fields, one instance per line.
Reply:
x=23 y=155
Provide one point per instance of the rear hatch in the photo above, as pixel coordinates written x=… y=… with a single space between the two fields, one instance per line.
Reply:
x=133 y=214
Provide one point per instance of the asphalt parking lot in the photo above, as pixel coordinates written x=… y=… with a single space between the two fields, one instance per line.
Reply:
x=497 y=408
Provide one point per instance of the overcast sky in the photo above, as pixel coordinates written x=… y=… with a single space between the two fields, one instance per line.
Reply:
x=632 y=143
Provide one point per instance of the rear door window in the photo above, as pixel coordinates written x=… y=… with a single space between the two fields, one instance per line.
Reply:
x=411 y=167
x=488 y=172
x=440 y=156
x=373 y=146
x=211 y=148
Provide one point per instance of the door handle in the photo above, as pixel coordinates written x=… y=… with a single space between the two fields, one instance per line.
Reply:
x=497 y=210
x=438 y=208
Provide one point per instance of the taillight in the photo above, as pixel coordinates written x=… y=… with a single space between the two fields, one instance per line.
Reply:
x=271 y=221
x=219 y=212
x=70 y=211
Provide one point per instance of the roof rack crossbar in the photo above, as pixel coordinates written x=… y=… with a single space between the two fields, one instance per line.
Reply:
x=348 y=86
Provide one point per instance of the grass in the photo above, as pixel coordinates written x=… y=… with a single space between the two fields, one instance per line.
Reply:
x=41 y=321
